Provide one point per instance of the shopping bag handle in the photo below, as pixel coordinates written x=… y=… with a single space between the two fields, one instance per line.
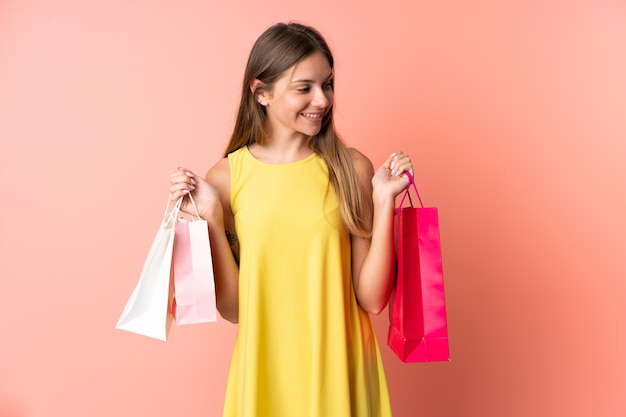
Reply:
x=408 y=188
x=176 y=209
x=193 y=203
x=168 y=216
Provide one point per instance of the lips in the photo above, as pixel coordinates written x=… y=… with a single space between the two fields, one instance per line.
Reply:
x=312 y=116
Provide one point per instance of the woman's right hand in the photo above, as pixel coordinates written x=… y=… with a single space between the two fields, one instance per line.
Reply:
x=183 y=182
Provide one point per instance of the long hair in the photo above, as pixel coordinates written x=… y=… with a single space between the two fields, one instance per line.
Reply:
x=279 y=48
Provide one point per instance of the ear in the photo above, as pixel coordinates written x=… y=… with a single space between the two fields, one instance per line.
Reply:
x=258 y=90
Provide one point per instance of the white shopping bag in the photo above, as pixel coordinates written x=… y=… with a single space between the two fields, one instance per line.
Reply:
x=148 y=310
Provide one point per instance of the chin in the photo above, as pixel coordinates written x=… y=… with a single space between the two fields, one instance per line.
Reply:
x=311 y=132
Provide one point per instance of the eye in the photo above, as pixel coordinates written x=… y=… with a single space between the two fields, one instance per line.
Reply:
x=329 y=85
x=303 y=90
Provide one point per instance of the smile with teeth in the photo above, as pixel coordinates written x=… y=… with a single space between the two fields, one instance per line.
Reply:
x=312 y=115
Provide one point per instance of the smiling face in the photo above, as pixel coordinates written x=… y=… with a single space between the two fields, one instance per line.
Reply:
x=299 y=99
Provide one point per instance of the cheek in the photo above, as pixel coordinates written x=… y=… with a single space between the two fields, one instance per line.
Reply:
x=293 y=104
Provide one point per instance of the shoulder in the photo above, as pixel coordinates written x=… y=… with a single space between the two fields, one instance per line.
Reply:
x=362 y=165
x=219 y=175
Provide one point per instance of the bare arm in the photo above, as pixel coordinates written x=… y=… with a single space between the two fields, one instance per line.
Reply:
x=224 y=246
x=374 y=259
x=212 y=196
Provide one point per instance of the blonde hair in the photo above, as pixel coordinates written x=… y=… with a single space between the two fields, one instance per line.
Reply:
x=279 y=48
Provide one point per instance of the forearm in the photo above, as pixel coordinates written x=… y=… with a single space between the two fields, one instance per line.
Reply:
x=226 y=273
x=377 y=273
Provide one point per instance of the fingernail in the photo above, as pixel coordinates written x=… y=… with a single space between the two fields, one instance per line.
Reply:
x=189 y=174
x=392 y=155
x=193 y=181
x=185 y=191
x=191 y=187
x=392 y=165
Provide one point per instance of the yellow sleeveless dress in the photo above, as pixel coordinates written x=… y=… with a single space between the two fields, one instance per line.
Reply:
x=304 y=347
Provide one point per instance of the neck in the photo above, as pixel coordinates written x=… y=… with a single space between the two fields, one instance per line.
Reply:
x=284 y=151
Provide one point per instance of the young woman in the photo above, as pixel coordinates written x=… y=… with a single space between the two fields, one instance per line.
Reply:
x=301 y=230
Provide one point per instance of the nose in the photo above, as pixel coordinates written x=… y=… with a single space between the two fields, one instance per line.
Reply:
x=321 y=99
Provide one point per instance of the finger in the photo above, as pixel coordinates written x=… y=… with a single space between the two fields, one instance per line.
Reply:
x=182 y=171
x=401 y=164
x=183 y=176
x=179 y=171
x=181 y=186
x=401 y=157
x=387 y=163
x=402 y=168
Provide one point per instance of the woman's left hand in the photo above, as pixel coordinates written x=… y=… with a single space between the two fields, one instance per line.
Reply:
x=390 y=179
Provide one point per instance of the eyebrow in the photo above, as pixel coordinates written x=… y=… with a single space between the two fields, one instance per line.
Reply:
x=312 y=81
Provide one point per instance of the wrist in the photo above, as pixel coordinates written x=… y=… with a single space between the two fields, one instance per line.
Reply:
x=383 y=200
x=214 y=221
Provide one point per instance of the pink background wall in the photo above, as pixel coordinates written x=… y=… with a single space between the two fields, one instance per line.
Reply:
x=514 y=113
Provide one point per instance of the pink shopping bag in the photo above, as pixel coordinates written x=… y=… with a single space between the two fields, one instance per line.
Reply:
x=194 y=286
x=418 y=330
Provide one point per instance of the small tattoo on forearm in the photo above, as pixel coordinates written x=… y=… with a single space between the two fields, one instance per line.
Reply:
x=232 y=239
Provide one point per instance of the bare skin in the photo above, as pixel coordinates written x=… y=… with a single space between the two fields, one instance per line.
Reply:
x=373 y=259
x=295 y=107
